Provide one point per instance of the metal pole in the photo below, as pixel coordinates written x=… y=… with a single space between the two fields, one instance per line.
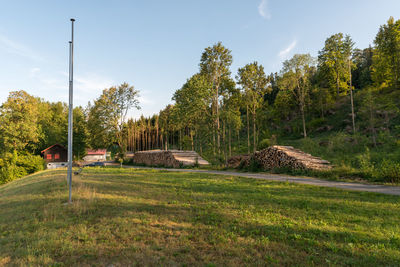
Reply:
x=70 y=110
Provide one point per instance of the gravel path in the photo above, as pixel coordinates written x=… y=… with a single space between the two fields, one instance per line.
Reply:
x=383 y=189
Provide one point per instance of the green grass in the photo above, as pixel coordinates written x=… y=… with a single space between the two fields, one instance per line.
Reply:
x=152 y=218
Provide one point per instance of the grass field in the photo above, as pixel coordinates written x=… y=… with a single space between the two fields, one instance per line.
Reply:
x=152 y=218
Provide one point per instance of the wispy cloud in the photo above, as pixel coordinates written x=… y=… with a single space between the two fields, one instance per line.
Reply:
x=285 y=52
x=91 y=83
x=33 y=72
x=19 y=49
x=87 y=86
x=263 y=9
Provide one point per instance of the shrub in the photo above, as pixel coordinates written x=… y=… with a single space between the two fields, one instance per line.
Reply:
x=267 y=142
x=14 y=166
x=31 y=163
x=389 y=171
x=11 y=172
x=365 y=165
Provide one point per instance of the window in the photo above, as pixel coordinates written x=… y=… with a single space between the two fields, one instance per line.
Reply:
x=48 y=156
x=57 y=156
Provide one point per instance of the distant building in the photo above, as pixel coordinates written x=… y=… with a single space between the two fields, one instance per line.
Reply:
x=56 y=156
x=95 y=155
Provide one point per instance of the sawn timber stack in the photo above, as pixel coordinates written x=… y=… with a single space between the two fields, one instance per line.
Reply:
x=168 y=158
x=277 y=157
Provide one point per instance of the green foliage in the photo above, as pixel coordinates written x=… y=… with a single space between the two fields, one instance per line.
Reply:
x=254 y=82
x=187 y=143
x=317 y=122
x=107 y=116
x=386 y=58
x=53 y=122
x=81 y=135
x=14 y=166
x=267 y=142
x=389 y=171
x=18 y=121
x=296 y=80
x=333 y=62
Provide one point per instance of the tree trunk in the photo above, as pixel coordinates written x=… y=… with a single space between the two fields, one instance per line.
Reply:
x=248 y=129
x=337 y=86
x=166 y=141
x=213 y=139
x=238 y=137
x=180 y=139
x=254 y=129
x=191 y=138
x=304 y=120
x=157 y=140
x=217 y=113
x=352 y=102
x=224 y=142
x=230 y=142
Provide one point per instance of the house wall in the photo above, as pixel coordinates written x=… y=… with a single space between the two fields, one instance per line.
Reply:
x=55 y=165
x=56 y=154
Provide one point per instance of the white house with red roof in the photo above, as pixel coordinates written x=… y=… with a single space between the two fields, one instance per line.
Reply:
x=95 y=155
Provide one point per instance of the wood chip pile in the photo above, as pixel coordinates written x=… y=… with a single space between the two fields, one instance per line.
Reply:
x=276 y=157
x=168 y=158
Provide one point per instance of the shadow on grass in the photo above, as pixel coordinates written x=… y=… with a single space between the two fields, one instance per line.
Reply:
x=217 y=213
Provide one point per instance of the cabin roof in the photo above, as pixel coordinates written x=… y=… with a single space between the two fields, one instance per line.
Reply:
x=96 y=151
x=52 y=147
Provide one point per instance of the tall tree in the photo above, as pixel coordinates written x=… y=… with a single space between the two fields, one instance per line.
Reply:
x=296 y=76
x=19 y=121
x=361 y=74
x=108 y=115
x=333 y=62
x=53 y=122
x=348 y=50
x=386 y=59
x=214 y=64
x=80 y=133
x=193 y=103
x=254 y=82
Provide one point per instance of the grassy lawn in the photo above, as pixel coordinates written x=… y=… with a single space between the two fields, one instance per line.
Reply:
x=144 y=217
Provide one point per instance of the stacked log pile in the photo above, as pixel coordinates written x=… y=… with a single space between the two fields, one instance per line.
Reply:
x=276 y=157
x=168 y=158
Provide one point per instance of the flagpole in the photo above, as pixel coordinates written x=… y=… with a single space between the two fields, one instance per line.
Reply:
x=70 y=110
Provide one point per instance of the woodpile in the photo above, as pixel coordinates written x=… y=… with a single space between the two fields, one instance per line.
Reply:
x=168 y=158
x=276 y=157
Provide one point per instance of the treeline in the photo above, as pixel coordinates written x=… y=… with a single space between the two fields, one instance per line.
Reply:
x=27 y=126
x=212 y=109
x=346 y=97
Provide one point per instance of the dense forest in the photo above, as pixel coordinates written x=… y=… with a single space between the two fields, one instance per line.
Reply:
x=342 y=105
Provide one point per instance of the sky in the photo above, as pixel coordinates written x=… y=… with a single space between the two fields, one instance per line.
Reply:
x=156 y=45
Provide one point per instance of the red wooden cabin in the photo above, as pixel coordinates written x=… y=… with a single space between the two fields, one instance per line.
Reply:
x=55 y=153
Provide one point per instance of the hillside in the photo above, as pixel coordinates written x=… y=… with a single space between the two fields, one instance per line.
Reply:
x=148 y=217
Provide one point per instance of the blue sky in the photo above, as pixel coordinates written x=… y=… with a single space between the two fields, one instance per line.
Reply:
x=156 y=45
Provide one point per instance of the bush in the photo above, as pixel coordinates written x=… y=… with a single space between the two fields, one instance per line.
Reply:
x=267 y=142
x=11 y=172
x=365 y=164
x=14 y=166
x=389 y=171
x=31 y=163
